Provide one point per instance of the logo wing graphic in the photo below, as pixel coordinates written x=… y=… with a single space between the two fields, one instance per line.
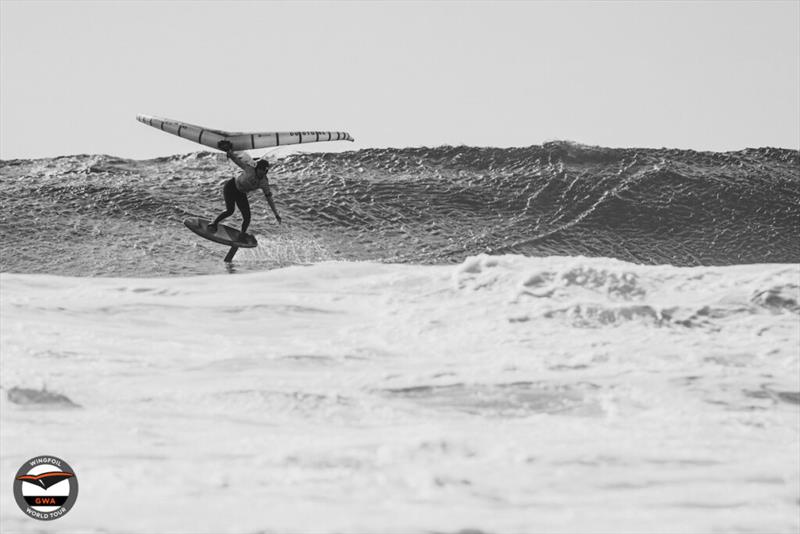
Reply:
x=46 y=480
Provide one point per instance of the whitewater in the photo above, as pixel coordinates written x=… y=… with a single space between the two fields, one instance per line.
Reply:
x=438 y=340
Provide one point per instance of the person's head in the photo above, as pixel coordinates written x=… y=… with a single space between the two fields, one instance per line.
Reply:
x=262 y=166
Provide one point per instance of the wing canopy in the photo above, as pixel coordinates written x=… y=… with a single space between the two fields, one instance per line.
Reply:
x=240 y=140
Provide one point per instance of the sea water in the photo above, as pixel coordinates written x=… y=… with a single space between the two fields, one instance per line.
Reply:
x=387 y=374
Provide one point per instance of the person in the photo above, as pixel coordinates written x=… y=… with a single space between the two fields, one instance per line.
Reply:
x=236 y=189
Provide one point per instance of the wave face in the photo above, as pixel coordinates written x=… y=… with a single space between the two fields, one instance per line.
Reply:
x=101 y=215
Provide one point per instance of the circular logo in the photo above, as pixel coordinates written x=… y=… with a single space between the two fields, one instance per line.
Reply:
x=45 y=488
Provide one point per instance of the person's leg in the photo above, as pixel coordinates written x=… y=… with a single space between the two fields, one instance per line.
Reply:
x=244 y=207
x=229 y=194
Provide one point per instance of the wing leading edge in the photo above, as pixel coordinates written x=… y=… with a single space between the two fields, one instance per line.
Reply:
x=240 y=140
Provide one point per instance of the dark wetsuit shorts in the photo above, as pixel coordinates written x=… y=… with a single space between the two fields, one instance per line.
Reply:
x=232 y=197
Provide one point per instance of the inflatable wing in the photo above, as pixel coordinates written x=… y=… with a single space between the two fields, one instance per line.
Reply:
x=239 y=140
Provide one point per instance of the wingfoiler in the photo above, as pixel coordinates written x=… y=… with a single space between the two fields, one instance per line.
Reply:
x=254 y=175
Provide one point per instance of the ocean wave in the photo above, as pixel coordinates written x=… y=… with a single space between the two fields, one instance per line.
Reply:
x=421 y=205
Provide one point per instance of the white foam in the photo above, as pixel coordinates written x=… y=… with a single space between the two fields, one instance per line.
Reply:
x=503 y=394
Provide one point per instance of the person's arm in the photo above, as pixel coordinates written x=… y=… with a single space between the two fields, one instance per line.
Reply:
x=268 y=195
x=242 y=159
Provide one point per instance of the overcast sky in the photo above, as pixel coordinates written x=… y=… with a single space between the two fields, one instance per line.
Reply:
x=708 y=76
